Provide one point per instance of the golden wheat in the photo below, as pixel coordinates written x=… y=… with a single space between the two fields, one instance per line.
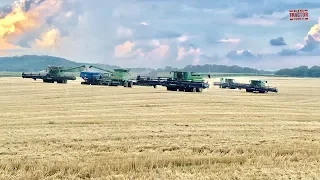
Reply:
x=73 y=131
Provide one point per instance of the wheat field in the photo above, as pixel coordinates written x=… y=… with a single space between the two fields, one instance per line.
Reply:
x=74 y=131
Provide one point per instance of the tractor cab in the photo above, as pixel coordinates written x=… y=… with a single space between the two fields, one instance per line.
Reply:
x=54 y=70
x=120 y=74
x=186 y=76
x=258 y=83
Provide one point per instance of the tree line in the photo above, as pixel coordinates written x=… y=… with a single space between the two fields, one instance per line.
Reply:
x=302 y=71
x=33 y=63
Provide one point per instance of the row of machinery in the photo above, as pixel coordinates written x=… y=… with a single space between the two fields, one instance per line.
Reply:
x=254 y=85
x=177 y=81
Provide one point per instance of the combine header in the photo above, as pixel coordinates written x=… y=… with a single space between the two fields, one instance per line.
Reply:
x=117 y=77
x=179 y=81
x=53 y=74
x=148 y=81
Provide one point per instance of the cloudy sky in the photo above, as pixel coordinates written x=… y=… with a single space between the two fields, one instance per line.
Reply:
x=157 y=33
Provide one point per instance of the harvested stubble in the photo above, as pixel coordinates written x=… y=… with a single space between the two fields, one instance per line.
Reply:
x=73 y=131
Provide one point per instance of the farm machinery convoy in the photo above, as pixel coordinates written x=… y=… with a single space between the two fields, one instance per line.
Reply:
x=177 y=81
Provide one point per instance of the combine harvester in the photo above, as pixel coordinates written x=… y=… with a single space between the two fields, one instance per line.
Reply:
x=53 y=74
x=227 y=83
x=258 y=86
x=117 y=77
x=179 y=81
x=254 y=86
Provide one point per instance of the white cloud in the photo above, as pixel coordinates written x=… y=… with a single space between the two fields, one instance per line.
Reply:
x=124 y=32
x=159 y=52
x=299 y=46
x=144 y=23
x=229 y=41
x=123 y=50
x=183 y=38
x=182 y=53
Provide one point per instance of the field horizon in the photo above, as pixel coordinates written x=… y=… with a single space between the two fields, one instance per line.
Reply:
x=74 y=131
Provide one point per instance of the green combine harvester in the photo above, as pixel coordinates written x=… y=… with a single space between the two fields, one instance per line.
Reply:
x=254 y=85
x=227 y=83
x=258 y=86
x=117 y=77
x=53 y=74
x=178 y=81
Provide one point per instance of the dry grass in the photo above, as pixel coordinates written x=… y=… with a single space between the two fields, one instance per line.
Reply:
x=73 y=131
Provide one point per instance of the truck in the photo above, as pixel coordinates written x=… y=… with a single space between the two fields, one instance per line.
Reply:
x=115 y=77
x=53 y=74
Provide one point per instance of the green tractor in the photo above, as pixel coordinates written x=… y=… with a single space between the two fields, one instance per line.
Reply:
x=117 y=77
x=54 y=74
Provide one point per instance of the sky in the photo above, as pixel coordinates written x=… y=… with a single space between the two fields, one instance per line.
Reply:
x=159 y=33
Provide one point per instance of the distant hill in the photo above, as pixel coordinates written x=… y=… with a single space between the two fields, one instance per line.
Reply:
x=32 y=63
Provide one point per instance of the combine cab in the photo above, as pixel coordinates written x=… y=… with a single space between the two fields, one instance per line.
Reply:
x=258 y=86
x=117 y=77
x=53 y=74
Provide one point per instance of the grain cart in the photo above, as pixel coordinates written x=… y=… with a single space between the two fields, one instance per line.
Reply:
x=185 y=81
x=226 y=83
x=53 y=74
x=258 y=86
x=117 y=77
x=92 y=78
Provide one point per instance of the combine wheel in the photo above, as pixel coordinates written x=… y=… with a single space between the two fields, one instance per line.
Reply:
x=193 y=89
x=199 y=89
x=130 y=84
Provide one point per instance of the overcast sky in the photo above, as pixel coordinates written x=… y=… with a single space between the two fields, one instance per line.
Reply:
x=157 y=33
